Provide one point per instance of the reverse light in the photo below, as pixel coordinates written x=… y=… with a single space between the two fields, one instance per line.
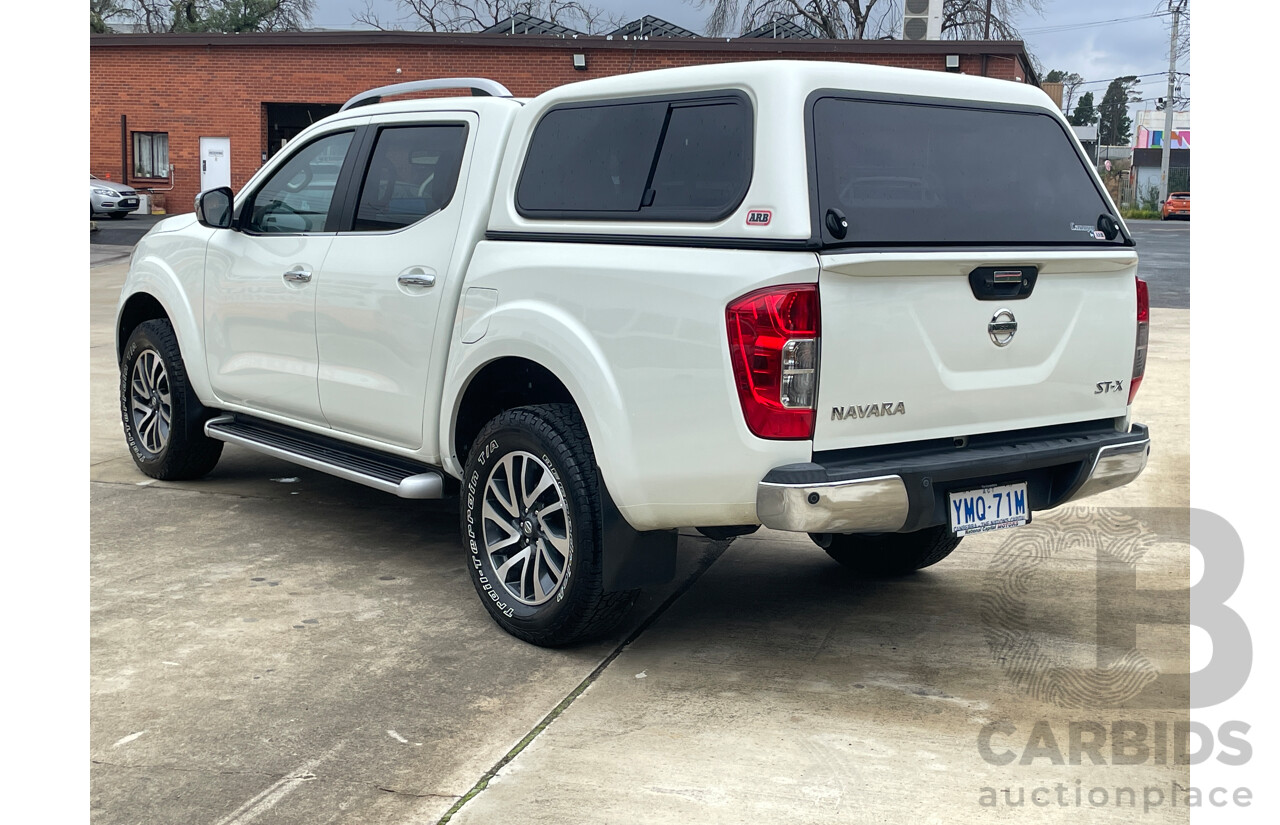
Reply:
x=773 y=344
x=1140 y=345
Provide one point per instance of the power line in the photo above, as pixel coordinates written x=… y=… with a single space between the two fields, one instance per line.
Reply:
x=1066 y=27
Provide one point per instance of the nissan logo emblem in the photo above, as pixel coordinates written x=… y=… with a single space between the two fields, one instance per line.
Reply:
x=1002 y=328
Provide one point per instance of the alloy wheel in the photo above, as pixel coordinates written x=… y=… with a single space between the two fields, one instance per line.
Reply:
x=150 y=402
x=526 y=528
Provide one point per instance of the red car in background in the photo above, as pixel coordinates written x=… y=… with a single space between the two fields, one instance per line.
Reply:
x=1177 y=206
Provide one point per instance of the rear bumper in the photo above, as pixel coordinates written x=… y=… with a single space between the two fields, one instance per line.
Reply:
x=904 y=489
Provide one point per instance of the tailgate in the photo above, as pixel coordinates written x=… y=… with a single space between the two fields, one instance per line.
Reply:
x=909 y=351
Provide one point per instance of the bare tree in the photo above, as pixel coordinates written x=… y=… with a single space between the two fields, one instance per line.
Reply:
x=476 y=15
x=102 y=13
x=215 y=15
x=836 y=19
x=967 y=19
x=864 y=19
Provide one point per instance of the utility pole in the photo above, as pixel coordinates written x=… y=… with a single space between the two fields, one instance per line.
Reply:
x=986 y=32
x=1175 y=6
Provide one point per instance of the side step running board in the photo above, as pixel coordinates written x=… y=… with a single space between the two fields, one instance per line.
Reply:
x=391 y=474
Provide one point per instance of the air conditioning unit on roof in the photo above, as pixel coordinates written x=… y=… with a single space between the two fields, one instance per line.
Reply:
x=922 y=20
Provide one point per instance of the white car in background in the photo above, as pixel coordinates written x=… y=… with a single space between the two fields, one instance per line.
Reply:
x=113 y=199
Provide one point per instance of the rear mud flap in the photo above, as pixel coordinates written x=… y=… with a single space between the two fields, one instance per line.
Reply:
x=632 y=558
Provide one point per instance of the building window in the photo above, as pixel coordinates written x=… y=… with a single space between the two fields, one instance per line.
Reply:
x=150 y=154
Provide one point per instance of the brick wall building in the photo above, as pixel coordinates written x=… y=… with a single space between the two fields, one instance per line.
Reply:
x=153 y=97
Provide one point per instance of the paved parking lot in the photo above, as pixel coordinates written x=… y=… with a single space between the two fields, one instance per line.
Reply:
x=1164 y=250
x=273 y=645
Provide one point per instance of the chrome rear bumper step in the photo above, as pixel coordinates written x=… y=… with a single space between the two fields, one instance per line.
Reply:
x=390 y=474
x=908 y=491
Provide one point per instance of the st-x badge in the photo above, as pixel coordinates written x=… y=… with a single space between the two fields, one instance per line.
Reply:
x=1002 y=328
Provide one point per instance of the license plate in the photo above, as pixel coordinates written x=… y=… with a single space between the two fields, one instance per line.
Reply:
x=129 y=202
x=990 y=508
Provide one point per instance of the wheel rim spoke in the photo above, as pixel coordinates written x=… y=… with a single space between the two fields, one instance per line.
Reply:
x=559 y=543
x=491 y=514
x=517 y=558
x=157 y=372
x=557 y=570
x=503 y=489
x=149 y=433
x=536 y=577
x=545 y=480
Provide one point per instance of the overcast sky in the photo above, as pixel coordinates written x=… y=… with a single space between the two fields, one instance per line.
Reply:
x=1113 y=46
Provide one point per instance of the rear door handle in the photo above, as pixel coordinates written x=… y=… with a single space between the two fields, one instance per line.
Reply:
x=297 y=276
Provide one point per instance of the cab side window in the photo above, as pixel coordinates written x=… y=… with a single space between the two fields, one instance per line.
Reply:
x=298 y=196
x=412 y=173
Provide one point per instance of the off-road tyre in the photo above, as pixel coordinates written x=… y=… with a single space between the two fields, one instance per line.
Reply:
x=179 y=450
x=889 y=554
x=538 y=445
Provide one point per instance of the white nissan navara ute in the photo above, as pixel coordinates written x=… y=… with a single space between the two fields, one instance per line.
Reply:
x=884 y=307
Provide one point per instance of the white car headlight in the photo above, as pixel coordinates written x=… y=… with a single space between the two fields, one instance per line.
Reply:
x=110 y=193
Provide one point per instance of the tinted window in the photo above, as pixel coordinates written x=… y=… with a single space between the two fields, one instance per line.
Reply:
x=412 y=172
x=297 y=197
x=665 y=160
x=705 y=163
x=591 y=159
x=907 y=173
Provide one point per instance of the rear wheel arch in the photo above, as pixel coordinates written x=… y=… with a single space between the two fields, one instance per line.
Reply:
x=498 y=386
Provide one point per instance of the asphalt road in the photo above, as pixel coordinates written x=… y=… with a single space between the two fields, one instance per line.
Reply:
x=1164 y=250
x=1164 y=261
x=125 y=231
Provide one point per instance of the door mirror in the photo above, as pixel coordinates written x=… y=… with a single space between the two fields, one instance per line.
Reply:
x=213 y=208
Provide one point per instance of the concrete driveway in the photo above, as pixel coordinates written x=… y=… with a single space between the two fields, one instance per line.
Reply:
x=273 y=645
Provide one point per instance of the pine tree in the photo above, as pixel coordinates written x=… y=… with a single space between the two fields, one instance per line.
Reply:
x=1085 y=114
x=1113 y=112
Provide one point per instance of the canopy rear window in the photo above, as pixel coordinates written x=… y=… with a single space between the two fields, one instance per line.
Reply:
x=912 y=173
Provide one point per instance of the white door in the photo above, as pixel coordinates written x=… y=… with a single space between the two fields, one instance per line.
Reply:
x=215 y=162
x=384 y=276
x=259 y=297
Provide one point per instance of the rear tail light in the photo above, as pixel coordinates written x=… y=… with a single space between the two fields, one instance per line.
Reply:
x=1140 y=345
x=773 y=344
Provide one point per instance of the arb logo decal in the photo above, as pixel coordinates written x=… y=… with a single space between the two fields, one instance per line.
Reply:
x=759 y=217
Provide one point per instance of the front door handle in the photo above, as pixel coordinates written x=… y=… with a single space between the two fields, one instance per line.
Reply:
x=417 y=279
x=297 y=276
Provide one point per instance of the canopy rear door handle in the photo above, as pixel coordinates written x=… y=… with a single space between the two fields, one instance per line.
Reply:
x=297 y=276
x=1003 y=283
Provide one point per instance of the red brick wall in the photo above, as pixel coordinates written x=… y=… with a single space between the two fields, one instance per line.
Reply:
x=194 y=91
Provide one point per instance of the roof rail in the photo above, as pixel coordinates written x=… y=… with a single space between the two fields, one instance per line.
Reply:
x=479 y=86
